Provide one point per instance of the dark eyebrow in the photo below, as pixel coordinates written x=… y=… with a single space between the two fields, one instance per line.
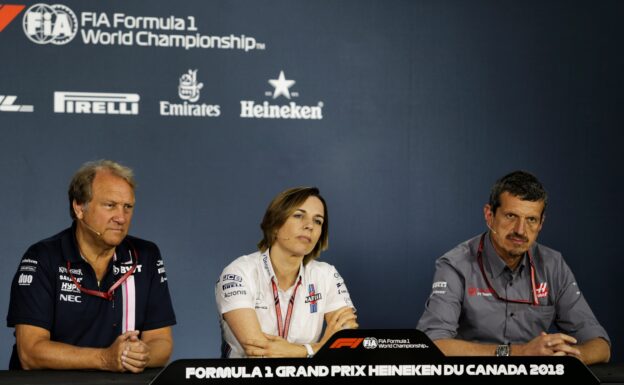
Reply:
x=303 y=211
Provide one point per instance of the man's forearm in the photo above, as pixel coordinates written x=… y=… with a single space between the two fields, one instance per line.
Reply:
x=160 y=352
x=454 y=347
x=57 y=355
x=595 y=351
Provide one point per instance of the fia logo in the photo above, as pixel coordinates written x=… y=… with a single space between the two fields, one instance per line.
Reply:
x=44 y=24
x=370 y=343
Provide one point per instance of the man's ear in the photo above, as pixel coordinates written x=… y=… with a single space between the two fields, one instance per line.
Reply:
x=78 y=209
x=488 y=214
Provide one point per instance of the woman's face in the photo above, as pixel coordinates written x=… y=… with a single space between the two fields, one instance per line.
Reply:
x=302 y=230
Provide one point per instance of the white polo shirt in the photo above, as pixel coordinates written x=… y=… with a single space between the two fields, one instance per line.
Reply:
x=246 y=283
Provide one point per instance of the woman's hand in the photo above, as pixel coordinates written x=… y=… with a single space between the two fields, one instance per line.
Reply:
x=273 y=346
x=343 y=318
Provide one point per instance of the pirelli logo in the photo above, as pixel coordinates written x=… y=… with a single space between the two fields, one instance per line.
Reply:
x=346 y=343
x=70 y=102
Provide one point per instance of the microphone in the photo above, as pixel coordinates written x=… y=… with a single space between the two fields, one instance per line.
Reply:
x=491 y=229
x=91 y=228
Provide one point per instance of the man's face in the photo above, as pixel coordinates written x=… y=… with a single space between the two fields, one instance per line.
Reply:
x=110 y=210
x=515 y=225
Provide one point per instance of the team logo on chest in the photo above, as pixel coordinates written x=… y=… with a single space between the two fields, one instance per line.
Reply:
x=542 y=290
x=312 y=298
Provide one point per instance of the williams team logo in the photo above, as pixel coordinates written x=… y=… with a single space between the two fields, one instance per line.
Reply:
x=282 y=87
x=50 y=24
x=313 y=298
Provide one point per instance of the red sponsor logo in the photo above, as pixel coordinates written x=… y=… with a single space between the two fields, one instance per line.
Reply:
x=346 y=343
x=8 y=12
x=475 y=291
x=542 y=290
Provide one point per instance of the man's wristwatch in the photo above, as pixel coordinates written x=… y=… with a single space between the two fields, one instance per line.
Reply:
x=503 y=350
x=309 y=350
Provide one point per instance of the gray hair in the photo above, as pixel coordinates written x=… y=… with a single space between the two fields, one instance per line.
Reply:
x=82 y=181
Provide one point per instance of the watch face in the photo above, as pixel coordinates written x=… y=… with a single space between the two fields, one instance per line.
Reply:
x=502 y=351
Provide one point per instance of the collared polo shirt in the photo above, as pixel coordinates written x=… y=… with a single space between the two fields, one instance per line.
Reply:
x=43 y=293
x=462 y=306
x=246 y=283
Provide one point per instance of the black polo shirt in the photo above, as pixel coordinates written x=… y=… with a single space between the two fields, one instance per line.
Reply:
x=43 y=293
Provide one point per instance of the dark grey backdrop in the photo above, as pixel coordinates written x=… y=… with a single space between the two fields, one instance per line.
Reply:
x=426 y=103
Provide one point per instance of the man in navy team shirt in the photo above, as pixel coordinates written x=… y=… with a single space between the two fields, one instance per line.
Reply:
x=93 y=297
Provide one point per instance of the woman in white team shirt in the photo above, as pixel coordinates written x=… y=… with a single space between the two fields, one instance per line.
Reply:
x=272 y=303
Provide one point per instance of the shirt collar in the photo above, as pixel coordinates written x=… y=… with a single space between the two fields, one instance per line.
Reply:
x=69 y=246
x=496 y=263
x=267 y=267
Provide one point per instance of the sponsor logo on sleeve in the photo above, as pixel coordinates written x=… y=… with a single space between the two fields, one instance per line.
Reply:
x=24 y=279
x=234 y=293
x=232 y=277
x=231 y=285
x=438 y=287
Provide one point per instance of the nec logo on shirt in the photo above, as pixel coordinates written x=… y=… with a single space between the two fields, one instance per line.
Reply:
x=70 y=298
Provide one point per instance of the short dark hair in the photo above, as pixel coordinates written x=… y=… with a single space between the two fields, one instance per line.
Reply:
x=521 y=184
x=281 y=207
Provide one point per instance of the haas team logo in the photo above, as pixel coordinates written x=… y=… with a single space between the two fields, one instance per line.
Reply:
x=542 y=290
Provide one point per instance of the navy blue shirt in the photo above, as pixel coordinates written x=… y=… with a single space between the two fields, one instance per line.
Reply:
x=43 y=293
